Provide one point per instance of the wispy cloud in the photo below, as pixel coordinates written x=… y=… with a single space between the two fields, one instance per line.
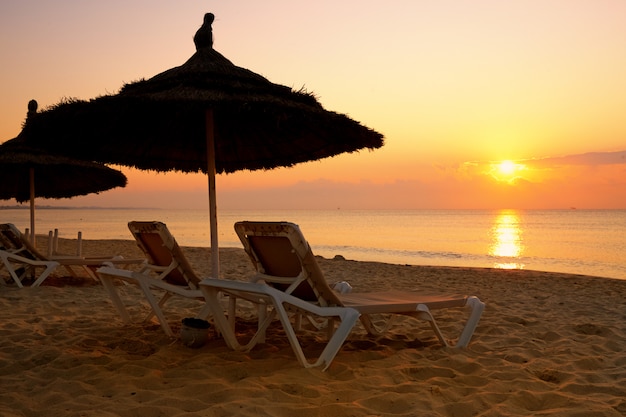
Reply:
x=588 y=159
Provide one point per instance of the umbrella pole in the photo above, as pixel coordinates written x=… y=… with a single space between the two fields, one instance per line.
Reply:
x=210 y=146
x=32 y=205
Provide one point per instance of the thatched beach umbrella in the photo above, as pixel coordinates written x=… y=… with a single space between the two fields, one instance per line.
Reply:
x=28 y=172
x=205 y=115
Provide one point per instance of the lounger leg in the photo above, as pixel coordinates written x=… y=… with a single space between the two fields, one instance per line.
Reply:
x=262 y=312
x=108 y=285
x=232 y=307
x=90 y=272
x=10 y=269
x=425 y=314
x=348 y=319
x=222 y=323
x=162 y=301
x=477 y=308
x=156 y=308
x=16 y=278
x=259 y=336
x=204 y=312
x=44 y=275
x=70 y=271
x=374 y=330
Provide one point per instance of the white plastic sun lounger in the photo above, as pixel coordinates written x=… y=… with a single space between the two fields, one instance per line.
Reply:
x=289 y=279
x=166 y=271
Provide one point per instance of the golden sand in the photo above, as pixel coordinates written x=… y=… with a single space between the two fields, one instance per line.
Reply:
x=547 y=345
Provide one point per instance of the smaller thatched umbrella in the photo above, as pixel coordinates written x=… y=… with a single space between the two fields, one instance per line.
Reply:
x=57 y=176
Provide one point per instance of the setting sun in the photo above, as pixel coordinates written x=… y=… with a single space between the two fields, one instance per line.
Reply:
x=507 y=167
x=506 y=171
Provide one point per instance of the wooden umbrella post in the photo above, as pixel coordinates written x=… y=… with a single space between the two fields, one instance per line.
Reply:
x=211 y=172
x=210 y=146
x=32 y=205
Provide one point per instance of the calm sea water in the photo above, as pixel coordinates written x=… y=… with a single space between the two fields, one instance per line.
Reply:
x=589 y=242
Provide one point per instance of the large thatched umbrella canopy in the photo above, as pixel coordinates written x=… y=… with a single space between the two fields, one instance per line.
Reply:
x=28 y=172
x=205 y=111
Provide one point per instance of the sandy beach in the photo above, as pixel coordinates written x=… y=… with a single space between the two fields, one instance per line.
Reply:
x=547 y=345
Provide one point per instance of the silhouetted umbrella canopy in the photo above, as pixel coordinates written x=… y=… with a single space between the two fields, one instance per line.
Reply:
x=28 y=172
x=166 y=122
x=55 y=176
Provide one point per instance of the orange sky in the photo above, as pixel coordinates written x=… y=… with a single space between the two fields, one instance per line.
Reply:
x=456 y=87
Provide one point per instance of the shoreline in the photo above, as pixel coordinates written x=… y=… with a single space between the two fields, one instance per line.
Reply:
x=582 y=242
x=127 y=248
x=547 y=344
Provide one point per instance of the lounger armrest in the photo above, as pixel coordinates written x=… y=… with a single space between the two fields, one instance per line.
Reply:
x=266 y=290
x=137 y=277
x=10 y=255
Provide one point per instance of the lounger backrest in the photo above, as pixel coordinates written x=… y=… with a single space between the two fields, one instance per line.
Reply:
x=16 y=242
x=11 y=240
x=5 y=243
x=161 y=250
x=282 y=257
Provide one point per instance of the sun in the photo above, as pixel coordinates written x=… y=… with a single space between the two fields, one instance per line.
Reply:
x=507 y=167
x=507 y=171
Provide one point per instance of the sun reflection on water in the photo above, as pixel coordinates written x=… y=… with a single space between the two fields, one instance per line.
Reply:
x=506 y=241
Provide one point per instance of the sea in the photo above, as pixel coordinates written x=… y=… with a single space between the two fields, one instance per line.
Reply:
x=586 y=242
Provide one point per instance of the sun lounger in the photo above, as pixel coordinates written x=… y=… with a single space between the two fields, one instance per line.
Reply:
x=289 y=279
x=21 y=264
x=20 y=255
x=165 y=270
